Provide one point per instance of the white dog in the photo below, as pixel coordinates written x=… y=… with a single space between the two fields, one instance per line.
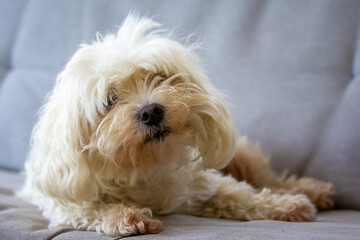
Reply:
x=134 y=127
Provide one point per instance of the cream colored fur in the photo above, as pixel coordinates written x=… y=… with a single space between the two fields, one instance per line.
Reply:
x=93 y=165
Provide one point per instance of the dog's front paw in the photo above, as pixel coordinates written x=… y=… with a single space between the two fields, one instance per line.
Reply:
x=133 y=223
x=296 y=208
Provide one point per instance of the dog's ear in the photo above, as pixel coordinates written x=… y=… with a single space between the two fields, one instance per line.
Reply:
x=214 y=130
x=62 y=167
x=216 y=134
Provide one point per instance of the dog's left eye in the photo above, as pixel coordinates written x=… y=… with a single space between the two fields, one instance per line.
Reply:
x=156 y=79
x=159 y=82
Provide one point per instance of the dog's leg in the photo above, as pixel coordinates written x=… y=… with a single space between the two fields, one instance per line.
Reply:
x=238 y=200
x=114 y=220
x=250 y=165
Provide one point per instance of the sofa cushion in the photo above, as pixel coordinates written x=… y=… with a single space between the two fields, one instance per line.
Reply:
x=20 y=98
x=335 y=159
x=10 y=19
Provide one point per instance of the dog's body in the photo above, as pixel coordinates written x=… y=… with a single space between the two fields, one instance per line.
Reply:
x=132 y=127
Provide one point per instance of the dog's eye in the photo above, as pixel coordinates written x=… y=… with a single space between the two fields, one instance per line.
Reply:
x=110 y=102
x=112 y=97
x=156 y=80
x=159 y=82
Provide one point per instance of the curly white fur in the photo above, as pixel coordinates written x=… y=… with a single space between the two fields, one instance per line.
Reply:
x=93 y=165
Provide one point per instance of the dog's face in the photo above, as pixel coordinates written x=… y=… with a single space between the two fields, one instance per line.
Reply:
x=147 y=117
x=138 y=99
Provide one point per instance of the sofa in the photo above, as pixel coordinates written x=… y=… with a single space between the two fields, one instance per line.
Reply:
x=290 y=71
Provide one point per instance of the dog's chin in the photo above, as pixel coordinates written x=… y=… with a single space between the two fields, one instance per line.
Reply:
x=157 y=134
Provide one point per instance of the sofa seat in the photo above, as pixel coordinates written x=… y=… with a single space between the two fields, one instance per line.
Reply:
x=21 y=220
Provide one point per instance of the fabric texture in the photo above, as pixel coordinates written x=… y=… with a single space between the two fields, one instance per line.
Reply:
x=21 y=220
x=290 y=70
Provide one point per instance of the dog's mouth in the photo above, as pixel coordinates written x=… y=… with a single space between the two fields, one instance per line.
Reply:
x=157 y=134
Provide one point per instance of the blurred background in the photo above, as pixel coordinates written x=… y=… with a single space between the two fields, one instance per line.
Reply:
x=290 y=70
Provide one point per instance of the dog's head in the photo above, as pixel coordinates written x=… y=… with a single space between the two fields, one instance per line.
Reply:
x=136 y=100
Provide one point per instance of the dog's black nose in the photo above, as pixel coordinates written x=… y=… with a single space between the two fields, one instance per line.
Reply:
x=152 y=114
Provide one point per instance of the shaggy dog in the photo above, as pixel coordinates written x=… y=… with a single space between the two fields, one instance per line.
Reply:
x=133 y=127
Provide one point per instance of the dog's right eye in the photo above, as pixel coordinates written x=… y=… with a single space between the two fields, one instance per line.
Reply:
x=110 y=102
x=112 y=98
